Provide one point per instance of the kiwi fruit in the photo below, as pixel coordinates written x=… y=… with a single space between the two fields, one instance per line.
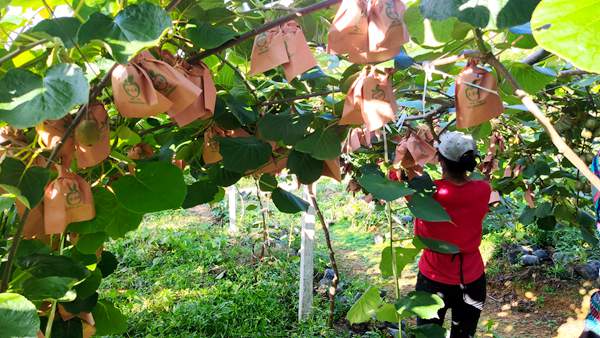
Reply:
x=87 y=133
x=591 y=123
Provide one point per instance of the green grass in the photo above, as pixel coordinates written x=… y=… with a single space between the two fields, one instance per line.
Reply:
x=178 y=278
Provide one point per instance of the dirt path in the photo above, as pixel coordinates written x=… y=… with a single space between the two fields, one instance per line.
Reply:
x=536 y=308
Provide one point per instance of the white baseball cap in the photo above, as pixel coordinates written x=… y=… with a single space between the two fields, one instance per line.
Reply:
x=454 y=144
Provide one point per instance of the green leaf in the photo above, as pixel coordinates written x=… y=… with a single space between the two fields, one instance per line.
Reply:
x=284 y=127
x=422 y=184
x=241 y=154
x=18 y=316
x=382 y=188
x=426 y=32
x=89 y=285
x=109 y=320
x=267 y=182
x=532 y=80
x=81 y=304
x=481 y=13
x=527 y=216
x=111 y=217
x=27 y=99
x=221 y=176
x=435 y=245
x=287 y=202
x=41 y=266
x=206 y=36
x=6 y=201
x=419 y=303
x=427 y=209
x=108 y=263
x=404 y=256
x=47 y=288
x=200 y=192
x=323 y=144
x=546 y=223
x=72 y=328
x=307 y=168
x=569 y=29
x=90 y=242
x=156 y=186
x=365 y=307
x=429 y=331
x=242 y=111
x=543 y=210
x=63 y=28
x=133 y=29
x=387 y=313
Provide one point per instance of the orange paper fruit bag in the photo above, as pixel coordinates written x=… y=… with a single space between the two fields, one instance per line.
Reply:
x=348 y=33
x=204 y=105
x=51 y=132
x=67 y=199
x=268 y=51
x=475 y=105
x=134 y=93
x=169 y=82
x=300 y=57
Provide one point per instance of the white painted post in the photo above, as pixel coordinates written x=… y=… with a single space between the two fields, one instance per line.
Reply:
x=306 y=259
x=231 y=201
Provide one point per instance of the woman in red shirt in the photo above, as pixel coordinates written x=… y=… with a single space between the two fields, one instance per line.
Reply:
x=458 y=278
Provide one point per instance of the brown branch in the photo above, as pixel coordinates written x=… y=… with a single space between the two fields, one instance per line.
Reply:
x=533 y=108
x=572 y=72
x=299 y=97
x=336 y=274
x=431 y=114
x=171 y=6
x=263 y=28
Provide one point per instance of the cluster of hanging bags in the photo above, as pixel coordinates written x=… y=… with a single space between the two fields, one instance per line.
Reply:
x=147 y=86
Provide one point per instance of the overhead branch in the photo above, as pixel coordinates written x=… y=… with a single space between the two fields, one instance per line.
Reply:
x=299 y=97
x=572 y=72
x=263 y=28
x=533 y=108
x=21 y=49
x=438 y=111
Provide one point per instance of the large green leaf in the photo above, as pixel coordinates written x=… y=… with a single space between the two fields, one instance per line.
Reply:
x=30 y=182
x=570 y=30
x=284 y=127
x=89 y=243
x=27 y=99
x=382 y=188
x=419 y=303
x=53 y=287
x=221 y=176
x=323 y=144
x=206 y=36
x=428 y=209
x=40 y=266
x=307 y=168
x=200 y=192
x=365 y=307
x=243 y=112
x=133 y=29
x=109 y=320
x=241 y=154
x=387 y=313
x=429 y=331
x=18 y=316
x=426 y=32
x=89 y=285
x=404 y=256
x=481 y=13
x=287 y=202
x=82 y=304
x=267 y=182
x=156 y=186
x=62 y=28
x=435 y=245
x=532 y=80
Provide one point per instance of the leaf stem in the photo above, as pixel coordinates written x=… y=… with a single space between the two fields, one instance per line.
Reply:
x=265 y=244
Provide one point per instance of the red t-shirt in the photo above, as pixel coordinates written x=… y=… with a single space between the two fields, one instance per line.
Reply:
x=467 y=206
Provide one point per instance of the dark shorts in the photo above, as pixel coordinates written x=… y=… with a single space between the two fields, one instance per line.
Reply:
x=466 y=304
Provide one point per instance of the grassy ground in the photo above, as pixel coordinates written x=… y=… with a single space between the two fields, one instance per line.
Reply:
x=181 y=275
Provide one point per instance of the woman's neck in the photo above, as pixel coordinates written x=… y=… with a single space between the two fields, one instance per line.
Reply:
x=457 y=180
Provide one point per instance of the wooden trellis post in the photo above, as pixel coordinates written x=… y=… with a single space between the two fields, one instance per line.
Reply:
x=232 y=203
x=306 y=260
